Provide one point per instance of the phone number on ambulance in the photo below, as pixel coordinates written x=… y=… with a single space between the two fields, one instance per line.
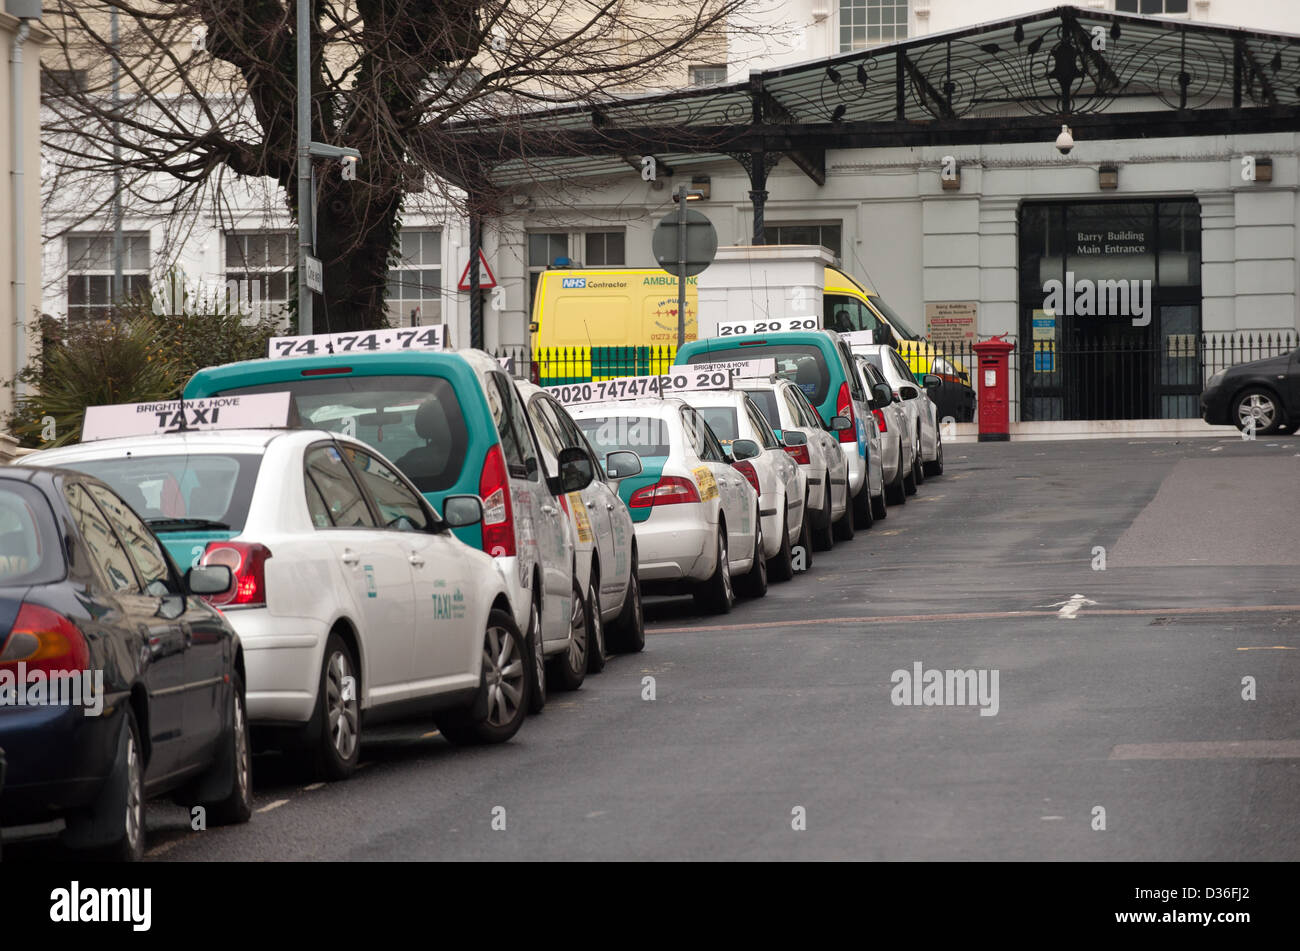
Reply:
x=632 y=387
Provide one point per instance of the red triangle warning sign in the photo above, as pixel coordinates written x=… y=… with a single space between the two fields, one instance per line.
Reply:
x=486 y=278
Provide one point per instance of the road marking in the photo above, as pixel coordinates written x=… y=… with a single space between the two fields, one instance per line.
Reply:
x=274 y=805
x=1051 y=818
x=313 y=787
x=1213 y=749
x=976 y=616
x=1266 y=648
x=165 y=847
x=1069 y=608
x=595 y=815
x=429 y=735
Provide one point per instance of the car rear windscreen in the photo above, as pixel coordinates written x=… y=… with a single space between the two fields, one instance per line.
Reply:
x=644 y=435
x=722 y=420
x=802 y=364
x=29 y=546
x=416 y=421
x=206 y=487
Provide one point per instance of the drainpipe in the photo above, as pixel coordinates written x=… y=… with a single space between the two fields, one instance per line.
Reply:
x=19 y=198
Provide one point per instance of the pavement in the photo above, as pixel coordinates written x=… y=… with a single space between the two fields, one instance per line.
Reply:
x=1134 y=601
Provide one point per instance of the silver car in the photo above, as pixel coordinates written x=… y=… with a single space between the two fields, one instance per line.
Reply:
x=892 y=419
x=923 y=417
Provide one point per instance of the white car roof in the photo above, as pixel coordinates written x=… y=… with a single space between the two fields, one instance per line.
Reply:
x=193 y=443
x=654 y=407
x=714 y=397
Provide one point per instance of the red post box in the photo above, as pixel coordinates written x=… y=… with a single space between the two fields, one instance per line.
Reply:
x=994 y=389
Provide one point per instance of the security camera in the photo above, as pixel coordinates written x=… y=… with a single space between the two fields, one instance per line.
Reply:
x=1064 y=141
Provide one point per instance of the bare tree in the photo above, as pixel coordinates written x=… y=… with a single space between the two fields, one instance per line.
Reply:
x=208 y=89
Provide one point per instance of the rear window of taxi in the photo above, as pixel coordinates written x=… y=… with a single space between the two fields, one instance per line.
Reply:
x=644 y=435
x=29 y=549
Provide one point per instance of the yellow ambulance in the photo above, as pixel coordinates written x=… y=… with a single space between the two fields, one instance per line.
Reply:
x=600 y=323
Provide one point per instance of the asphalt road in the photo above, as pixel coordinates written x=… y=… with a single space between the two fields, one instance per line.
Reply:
x=1119 y=690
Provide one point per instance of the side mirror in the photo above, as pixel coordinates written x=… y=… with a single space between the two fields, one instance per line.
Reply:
x=576 y=472
x=883 y=394
x=745 y=449
x=209 y=579
x=908 y=392
x=839 y=423
x=622 y=463
x=930 y=381
x=461 y=511
x=794 y=437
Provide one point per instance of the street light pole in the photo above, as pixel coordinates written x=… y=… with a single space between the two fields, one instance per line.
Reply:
x=682 y=191
x=304 y=164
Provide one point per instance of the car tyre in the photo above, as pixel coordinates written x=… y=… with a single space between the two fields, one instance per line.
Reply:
x=1261 y=404
x=596 y=629
x=844 y=530
x=627 y=633
x=504 y=684
x=121 y=803
x=896 y=491
x=824 y=535
x=335 y=730
x=237 y=762
x=880 y=504
x=754 y=584
x=918 y=463
x=935 y=467
x=781 y=567
x=537 y=660
x=569 y=669
x=862 y=516
x=716 y=595
x=806 y=538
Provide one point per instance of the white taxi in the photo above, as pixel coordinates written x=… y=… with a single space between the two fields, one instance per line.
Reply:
x=351 y=596
x=695 y=517
x=606 y=589
x=760 y=457
x=813 y=446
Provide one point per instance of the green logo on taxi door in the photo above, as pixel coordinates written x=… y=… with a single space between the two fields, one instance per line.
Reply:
x=448 y=607
x=371 y=590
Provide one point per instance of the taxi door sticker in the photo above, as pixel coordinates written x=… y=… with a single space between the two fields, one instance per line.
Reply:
x=580 y=516
x=371 y=591
x=708 y=485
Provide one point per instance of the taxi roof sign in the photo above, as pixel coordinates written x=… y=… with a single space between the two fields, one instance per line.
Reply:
x=741 y=369
x=256 y=411
x=389 y=340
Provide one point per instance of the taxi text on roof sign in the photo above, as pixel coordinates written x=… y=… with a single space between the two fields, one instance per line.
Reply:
x=767 y=325
x=358 y=341
x=745 y=369
x=635 y=387
x=258 y=411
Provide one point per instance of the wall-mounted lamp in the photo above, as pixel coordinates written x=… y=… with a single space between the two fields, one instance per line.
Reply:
x=1108 y=177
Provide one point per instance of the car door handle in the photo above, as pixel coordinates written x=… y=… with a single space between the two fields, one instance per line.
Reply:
x=609 y=506
x=350 y=557
x=416 y=560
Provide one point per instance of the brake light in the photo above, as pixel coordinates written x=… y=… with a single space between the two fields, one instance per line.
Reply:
x=752 y=343
x=669 y=490
x=246 y=561
x=43 y=639
x=844 y=407
x=498 y=516
x=799 y=454
x=746 y=468
x=880 y=420
x=326 y=371
x=535 y=372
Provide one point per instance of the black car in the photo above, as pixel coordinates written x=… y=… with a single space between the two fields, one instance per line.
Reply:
x=1266 y=391
x=117 y=681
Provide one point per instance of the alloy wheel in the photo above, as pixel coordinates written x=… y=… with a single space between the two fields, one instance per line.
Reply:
x=342 y=710
x=503 y=674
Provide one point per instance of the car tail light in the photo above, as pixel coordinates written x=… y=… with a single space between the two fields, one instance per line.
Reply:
x=669 y=490
x=535 y=372
x=799 y=454
x=246 y=561
x=43 y=639
x=880 y=419
x=844 y=407
x=746 y=468
x=498 y=516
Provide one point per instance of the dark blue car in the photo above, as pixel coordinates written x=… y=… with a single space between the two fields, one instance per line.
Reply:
x=118 y=682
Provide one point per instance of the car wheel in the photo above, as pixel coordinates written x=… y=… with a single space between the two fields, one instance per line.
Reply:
x=596 y=627
x=896 y=491
x=1261 y=406
x=862 y=517
x=237 y=762
x=824 y=537
x=537 y=663
x=918 y=463
x=337 y=721
x=120 y=805
x=569 y=669
x=754 y=584
x=627 y=633
x=880 y=504
x=782 y=566
x=844 y=527
x=805 y=538
x=935 y=468
x=716 y=595
x=503 y=691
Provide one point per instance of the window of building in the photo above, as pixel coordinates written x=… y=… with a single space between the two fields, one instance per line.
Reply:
x=871 y=22
x=90 y=272
x=604 y=249
x=415 y=282
x=708 y=75
x=1151 y=7
x=543 y=249
x=826 y=235
x=263 y=263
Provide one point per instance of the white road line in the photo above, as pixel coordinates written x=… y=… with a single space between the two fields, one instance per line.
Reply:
x=313 y=787
x=1070 y=608
x=165 y=847
x=274 y=805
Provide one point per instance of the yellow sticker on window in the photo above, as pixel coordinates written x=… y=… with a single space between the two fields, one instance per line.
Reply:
x=580 y=516
x=708 y=485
